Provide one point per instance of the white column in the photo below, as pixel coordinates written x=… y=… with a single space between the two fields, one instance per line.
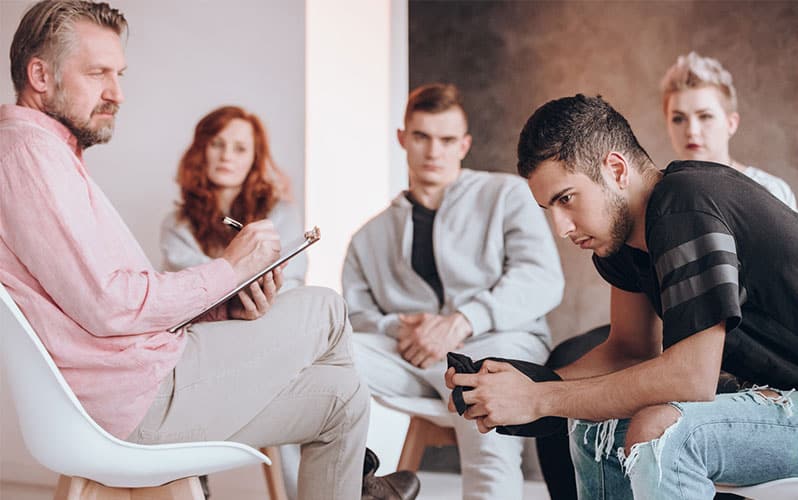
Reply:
x=356 y=85
x=356 y=88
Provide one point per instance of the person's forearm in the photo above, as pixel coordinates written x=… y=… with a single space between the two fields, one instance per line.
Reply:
x=688 y=371
x=601 y=360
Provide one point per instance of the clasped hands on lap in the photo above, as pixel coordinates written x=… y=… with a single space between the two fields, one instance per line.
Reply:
x=256 y=246
x=425 y=338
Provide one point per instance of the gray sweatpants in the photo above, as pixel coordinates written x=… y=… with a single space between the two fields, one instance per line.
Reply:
x=284 y=378
x=490 y=463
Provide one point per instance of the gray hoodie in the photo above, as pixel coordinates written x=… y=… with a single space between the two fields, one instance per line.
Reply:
x=493 y=250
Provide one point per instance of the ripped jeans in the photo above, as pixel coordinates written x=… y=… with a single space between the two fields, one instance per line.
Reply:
x=738 y=439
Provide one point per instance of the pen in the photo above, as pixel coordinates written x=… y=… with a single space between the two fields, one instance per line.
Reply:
x=233 y=223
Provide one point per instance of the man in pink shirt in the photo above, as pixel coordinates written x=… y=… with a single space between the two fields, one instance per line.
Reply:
x=102 y=311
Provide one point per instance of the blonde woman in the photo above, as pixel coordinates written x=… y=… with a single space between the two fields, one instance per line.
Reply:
x=700 y=105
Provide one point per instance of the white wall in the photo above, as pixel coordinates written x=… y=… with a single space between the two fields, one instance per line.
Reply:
x=185 y=57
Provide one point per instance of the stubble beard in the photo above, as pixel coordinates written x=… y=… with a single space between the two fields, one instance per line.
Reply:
x=82 y=129
x=621 y=226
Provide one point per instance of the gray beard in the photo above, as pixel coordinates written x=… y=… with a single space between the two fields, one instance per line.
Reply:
x=81 y=129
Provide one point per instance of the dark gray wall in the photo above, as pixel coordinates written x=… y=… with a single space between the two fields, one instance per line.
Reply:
x=509 y=57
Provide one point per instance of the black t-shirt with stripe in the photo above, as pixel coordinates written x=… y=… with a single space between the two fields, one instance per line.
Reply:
x=721 y=248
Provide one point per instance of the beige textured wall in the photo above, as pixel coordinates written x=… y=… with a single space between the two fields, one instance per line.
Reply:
x=511 y=57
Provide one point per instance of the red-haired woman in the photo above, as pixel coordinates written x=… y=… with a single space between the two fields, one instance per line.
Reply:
x=228 y=170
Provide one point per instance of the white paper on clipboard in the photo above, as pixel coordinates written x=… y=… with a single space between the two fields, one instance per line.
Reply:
x=311 y=237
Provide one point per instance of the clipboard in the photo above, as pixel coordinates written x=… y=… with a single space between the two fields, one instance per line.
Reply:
x=311 y=236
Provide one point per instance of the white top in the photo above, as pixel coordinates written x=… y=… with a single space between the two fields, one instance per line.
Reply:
x=180 y=249
x=775 y=185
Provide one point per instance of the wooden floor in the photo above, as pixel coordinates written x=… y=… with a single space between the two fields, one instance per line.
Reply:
x=236 y=485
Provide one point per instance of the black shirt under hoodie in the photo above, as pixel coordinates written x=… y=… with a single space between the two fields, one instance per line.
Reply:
x=423 y=256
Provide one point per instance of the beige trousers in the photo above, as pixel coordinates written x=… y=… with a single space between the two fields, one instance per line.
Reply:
x=284 y=378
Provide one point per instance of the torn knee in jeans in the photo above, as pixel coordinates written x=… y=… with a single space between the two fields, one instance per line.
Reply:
x=604 y=439
x=650 y=426
x=766 y=395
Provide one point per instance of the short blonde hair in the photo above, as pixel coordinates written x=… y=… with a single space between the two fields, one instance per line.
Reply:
x=694 y=71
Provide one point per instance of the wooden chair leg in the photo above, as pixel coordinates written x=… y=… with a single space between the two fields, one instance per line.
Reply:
x=420 y=434
x=62 y=488
x=274 y=474
x=182 y=489
x=78 y=488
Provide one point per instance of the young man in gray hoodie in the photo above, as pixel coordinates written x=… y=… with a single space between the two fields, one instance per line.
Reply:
x=461 y=261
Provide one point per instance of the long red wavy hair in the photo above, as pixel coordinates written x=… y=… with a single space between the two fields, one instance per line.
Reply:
x=264 y=185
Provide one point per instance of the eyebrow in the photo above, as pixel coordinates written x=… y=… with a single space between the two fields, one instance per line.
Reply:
x=105 y=68
x=556 y=196
x=419 y=133
x=680 y=112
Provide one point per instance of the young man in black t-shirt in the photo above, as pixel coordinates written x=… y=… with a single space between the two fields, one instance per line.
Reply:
x=702 y=265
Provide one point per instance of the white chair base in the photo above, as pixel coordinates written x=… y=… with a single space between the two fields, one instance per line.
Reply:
x=782 y=489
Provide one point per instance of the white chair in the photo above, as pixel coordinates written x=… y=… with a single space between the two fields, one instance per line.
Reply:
x=430 y=425
x=62 y=437
x=782 y=489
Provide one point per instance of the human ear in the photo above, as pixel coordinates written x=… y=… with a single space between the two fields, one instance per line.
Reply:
x=400 y=136
x=616 y=167
x=733 y=121
x=465 y=145
x=38 y=74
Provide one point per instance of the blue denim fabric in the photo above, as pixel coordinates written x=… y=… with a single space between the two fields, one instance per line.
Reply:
x=738 y=439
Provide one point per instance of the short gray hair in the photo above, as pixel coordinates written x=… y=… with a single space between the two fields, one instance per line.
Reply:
x=693 y=71
x=47 y=31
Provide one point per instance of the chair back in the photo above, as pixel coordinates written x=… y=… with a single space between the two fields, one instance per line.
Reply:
x=61 y=435
x=49 y=413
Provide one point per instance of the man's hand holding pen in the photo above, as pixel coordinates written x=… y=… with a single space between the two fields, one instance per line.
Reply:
x=254 y=247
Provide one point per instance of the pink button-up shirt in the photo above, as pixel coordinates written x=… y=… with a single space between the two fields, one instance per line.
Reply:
x=82 y=280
